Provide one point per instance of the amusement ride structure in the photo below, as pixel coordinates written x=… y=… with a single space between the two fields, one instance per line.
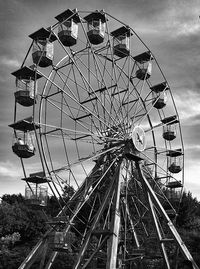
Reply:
x=94 y=110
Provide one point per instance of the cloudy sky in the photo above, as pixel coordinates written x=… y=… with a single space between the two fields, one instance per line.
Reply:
x=170 y=28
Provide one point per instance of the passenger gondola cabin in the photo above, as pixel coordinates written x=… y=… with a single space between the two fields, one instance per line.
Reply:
x=68 y=27
x=175 y=160
x=26 y=86
x=169 y=129
x=43 y=50
x=23 y=141
x=159 y=100
x=159 y=96
x=60 y=240
x=96 y=22
x=144 y=63
x=174 y=195
x=174 y=184
x=121 y=41
x=171 y=214
x=23 y=145
x=174 y=190
x=36 y=178
x=36 y=195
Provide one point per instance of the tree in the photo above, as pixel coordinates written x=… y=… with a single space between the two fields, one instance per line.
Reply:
x=188 y=215
x=18 y=217
x=20 y=228
x=12 y=199
x=68 y=192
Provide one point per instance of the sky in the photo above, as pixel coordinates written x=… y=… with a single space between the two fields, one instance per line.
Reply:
x=170 y=28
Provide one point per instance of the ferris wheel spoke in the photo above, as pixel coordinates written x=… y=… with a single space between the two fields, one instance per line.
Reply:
x=90 y=87
x=77 y=102
x=83 y=159
x=136 y=101
x=114 y=78
x=149 y=110
x=162 y=170
x=103 y=121
x=82 y=124
x=56 y=179
x=107 y=92
x=122 y=89
x=139 y=102
x=112 y=107
x=162 y=124
x=96 y=118
x=132 y=97
x=71 y=133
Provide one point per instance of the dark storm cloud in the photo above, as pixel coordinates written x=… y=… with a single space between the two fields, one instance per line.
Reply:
x=182 y=64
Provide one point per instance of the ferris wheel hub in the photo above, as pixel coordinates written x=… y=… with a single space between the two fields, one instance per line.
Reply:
x=138 y=138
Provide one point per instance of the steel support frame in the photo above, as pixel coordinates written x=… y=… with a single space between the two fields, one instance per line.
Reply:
x=115 y=225
x=155 y=201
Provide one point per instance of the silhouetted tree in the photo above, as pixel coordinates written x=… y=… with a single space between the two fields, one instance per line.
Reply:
x=188 y=212
x=13 y=198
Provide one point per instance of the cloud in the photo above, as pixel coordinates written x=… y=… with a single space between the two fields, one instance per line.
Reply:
x=182 y=17
x=188 y=28
x=193 y=120
x=12 y=170
x=9 y=170
x=192 y=176
x=9 y=62
x=10 y=175
x=188 y=105
x=192 y=154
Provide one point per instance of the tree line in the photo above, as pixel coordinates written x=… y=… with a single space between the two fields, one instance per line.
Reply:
x=22 y=226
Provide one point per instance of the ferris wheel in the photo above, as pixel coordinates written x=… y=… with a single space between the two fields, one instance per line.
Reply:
x=95 y=111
